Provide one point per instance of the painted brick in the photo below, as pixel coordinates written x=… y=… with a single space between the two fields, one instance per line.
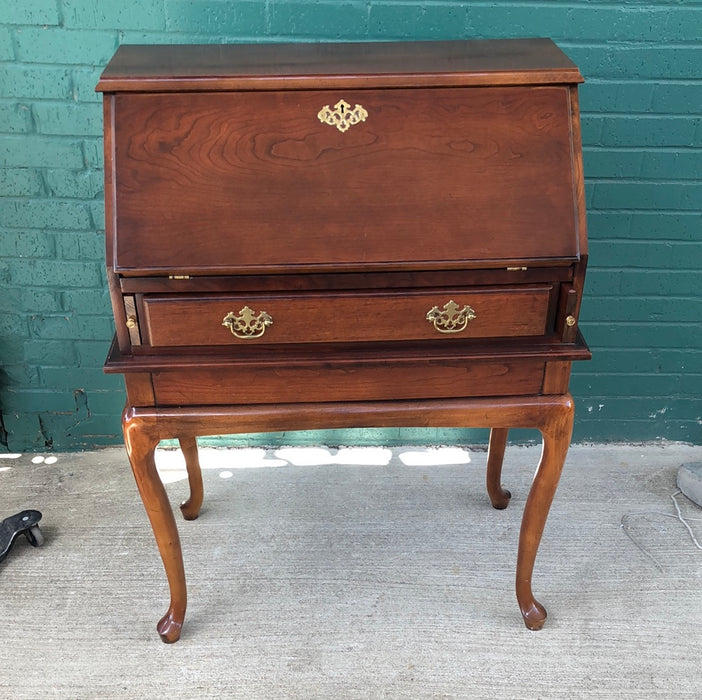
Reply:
x=649 y=131
x=27 y=244
x=591 y=128
x=668 y=308
x=69 y=379
x=678 y=97
x=65 y=327
x=631 y=23
x=220 y=18
x=60 y=46
x=672 y=165
x=29 y=12
x=51 y=353
x=418 y=21
x=27 y=399
x=635 y=283
x=637 y=62
x=11 y=351
x=646 y=408
x=13 y=325
x=20 y=182
x=5 y=273
x=648 y=195
x=615 y=96
x=7 y=50
x=40 y=82
x=55 y=273
x=639 y=430
x=640 y=385
x=323 y=20
x=15 y=118
x=611 y=163
x=133 y=36
x=92 y=353
x=20 y=375
x=28 y=299
x=102 y=401
x=682 y=225
x=40 y=151
x=47 y=213
x=84 y=82
x=68 y=119
x=93 y=153
x=97 y=214
x=514 y=19
x=641 y=129
x=641 y=335
x=79 y=245
x=647 y=361
x=78 y=184
x=86 y=301
x=25 y=429
x=89 y=14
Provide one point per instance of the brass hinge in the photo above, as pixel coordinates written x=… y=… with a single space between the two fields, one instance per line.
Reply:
x=515 y=269
x=132 y=321
x=178 y=277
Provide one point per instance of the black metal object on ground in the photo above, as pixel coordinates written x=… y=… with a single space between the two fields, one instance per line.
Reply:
x=25 y=523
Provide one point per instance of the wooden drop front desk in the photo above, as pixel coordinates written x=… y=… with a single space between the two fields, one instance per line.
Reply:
x=344 y=235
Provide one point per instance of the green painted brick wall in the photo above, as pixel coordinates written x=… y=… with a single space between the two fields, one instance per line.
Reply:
x=642 y=131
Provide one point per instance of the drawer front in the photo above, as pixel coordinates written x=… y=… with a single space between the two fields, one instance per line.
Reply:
x=345 y=317
x=212 y=183
x=327 y=381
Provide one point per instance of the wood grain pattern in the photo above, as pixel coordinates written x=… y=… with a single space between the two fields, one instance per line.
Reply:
x=326 y=194
x=359 y=382
x=314 y=318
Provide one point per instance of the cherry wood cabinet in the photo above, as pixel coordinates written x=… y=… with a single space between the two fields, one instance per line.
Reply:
x=344 y=235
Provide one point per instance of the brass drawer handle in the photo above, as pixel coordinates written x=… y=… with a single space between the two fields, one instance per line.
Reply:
x=342 y=116
x=452 y=319
x=247 y=323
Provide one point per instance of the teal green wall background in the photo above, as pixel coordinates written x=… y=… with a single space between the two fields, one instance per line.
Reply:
x=642 y=131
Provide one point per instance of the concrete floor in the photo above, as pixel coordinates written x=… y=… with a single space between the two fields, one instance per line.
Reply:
x=359 y=573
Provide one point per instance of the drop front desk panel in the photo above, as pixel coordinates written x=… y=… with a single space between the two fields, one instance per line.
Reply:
x=344 y=235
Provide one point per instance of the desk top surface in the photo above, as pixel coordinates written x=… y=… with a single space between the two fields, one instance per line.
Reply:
x=164 y=68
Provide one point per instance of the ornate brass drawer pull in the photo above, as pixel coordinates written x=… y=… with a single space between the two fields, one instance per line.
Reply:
x=247 y=323
x=342 y=116
x=452 y=319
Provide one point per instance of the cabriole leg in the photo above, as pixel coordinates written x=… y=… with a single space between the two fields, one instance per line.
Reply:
x=499 y=496
x=140 y=440
x=191 y=507
x=556 y=440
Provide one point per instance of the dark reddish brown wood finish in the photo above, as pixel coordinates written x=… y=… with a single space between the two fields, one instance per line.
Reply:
x=227 y=197
x=476 y=151
x=315 y=318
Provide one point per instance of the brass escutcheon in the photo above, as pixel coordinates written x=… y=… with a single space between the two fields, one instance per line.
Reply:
x=342 y=116
x=247 y=323
x=452 y=319
x=570 y=321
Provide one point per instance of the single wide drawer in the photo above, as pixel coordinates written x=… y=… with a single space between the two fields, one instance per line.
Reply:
x=380 y=380
x=346 y=317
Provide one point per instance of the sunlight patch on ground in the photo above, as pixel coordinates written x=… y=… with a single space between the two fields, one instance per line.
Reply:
x=171 y=464
x=317 y=456
x=434 y=457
